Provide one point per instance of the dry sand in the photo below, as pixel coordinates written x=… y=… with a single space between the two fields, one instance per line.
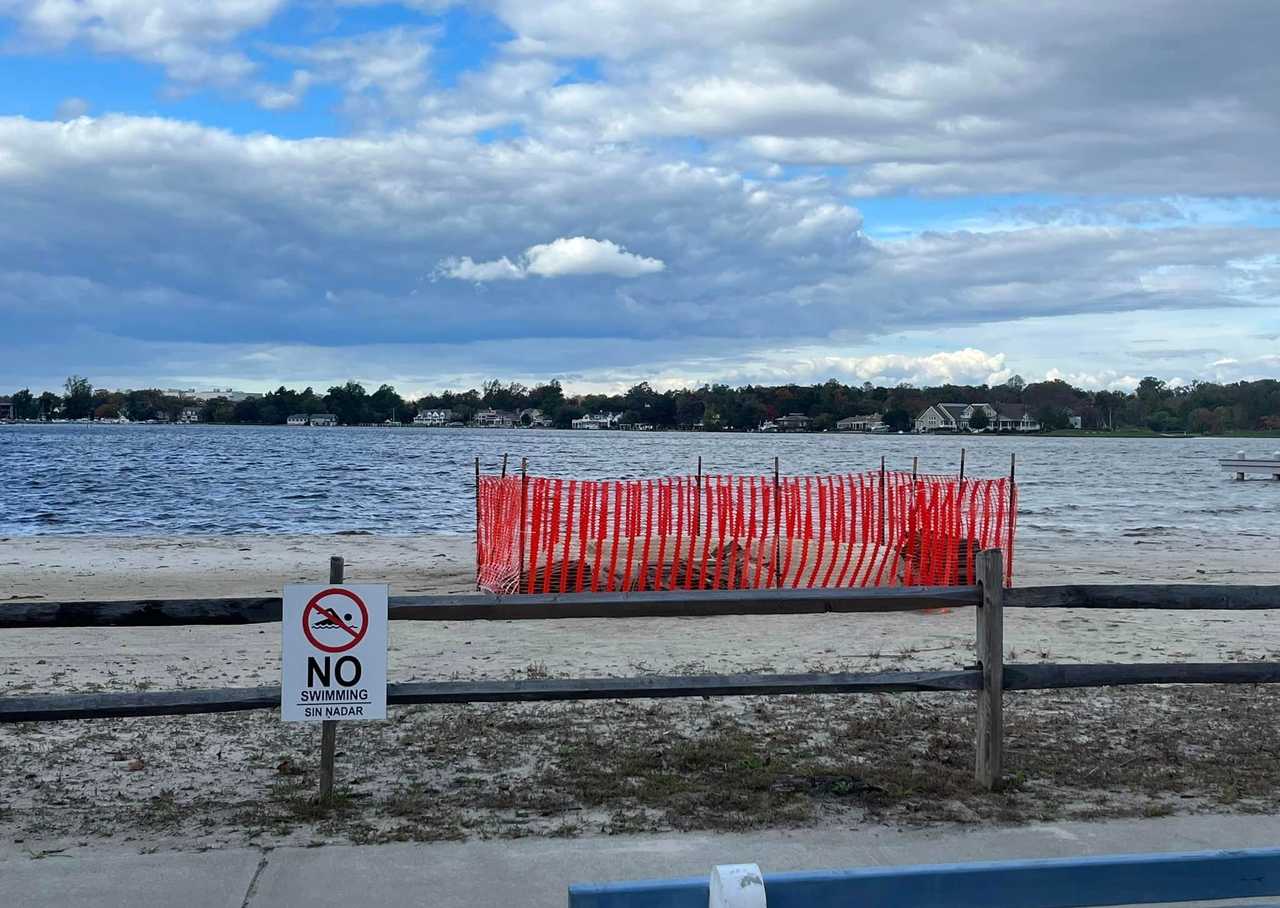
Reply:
x=205 y=780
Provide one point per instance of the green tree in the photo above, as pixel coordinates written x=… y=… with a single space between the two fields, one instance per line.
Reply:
x=548 y=398
x=50 y=405
x=385 y=404
x=979 y=420
x=77 y=402
x=25 y=405
x=349 y=403
x=898 y=420
x=1052 y=418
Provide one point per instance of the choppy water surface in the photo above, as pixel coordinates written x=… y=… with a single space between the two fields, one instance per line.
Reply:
x=1158 y=496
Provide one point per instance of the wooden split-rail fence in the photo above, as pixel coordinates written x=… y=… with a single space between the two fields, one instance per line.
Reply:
x=989 y=678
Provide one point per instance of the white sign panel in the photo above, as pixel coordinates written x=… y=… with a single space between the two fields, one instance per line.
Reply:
x=334 y=652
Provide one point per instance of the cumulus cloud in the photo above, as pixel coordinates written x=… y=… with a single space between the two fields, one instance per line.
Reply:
x=584 y=255
x=191 y=40
x=698 y=164
x=565 y=256
x=943 y=98
x=464 y=269
x=383 y=74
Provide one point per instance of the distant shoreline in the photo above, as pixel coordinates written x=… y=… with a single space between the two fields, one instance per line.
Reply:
x=1055 y=433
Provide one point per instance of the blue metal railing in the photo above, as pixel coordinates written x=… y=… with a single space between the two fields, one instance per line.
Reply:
x=1055 y=883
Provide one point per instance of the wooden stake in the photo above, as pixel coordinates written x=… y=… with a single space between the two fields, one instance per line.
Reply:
x=329 y=727
x=884 y=514
x=524 y=497
x=504 y=466
x=697 y=500
x=777 y=527
x=478 y=553
x=1013 y=462
x=989 y=568
x=962 y=469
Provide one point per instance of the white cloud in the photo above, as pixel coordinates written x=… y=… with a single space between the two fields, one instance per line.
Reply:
x=189 y=38
x=464 y=269
x=383 y=73
x=565 y=256
x=939 y=98
x=584 y=255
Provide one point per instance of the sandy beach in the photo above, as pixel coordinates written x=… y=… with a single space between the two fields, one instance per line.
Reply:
x=149 y=779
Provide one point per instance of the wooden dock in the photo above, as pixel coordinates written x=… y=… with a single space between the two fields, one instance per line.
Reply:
x=1240 y=465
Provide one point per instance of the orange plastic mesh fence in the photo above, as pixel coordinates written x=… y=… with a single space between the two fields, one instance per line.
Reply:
x=543 y=535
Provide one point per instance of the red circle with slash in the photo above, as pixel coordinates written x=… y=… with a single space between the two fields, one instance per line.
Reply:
x=328 y=614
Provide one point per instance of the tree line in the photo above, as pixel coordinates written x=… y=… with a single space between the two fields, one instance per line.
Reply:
x=1200 y=407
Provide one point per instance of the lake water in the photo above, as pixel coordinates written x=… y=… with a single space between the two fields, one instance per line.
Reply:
x=1114 y=504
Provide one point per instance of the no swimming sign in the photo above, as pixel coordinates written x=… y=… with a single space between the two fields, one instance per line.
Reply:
x=334 y=652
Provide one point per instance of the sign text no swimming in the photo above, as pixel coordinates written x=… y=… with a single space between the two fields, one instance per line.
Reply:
x=334 y=652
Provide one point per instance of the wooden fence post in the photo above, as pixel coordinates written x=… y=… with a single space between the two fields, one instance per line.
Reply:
x=329 y=727
x=989 y=568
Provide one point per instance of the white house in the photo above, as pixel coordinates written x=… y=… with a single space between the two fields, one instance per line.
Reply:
x=536 y=419
x=953 y=417
x=950 y=417
x=189 y=414
x=873 y=422
x=433 y=418
x=597 y=421
x=495 y=419
x=1015 y=418
x=957 y=418
x=212 y=394
x=323 y=419
x=297 y=419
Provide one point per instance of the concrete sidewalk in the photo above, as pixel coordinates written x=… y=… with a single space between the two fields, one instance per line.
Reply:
x=537 y=872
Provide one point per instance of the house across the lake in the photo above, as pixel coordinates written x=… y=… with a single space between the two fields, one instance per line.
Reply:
x=494 y=419
x=792 y=422
x=433 y=418
x=323 y=419
x=959 y=418
x=189 y=415
x=298 y=419
x=597 y=421
x=1015 y=418
x=872 y=422
x=535 y=418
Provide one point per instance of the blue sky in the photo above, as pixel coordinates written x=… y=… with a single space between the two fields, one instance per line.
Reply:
x=264 y=192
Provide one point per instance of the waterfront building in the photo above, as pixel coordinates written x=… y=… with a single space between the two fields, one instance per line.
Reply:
x=597 y=421
x=495 y=419
x=873 y=422
x=433 y=418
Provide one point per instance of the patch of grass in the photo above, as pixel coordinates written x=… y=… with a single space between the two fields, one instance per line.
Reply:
x=630 y=766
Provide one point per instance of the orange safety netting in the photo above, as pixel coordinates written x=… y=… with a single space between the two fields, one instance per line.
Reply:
x=878 y=528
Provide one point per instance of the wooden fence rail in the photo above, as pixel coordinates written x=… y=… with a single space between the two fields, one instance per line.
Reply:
x=52 y=707
x=990 y=677
x=653 y=604
x=667 y=604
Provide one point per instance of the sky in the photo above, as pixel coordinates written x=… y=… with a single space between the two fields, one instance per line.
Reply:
x=251 y=193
